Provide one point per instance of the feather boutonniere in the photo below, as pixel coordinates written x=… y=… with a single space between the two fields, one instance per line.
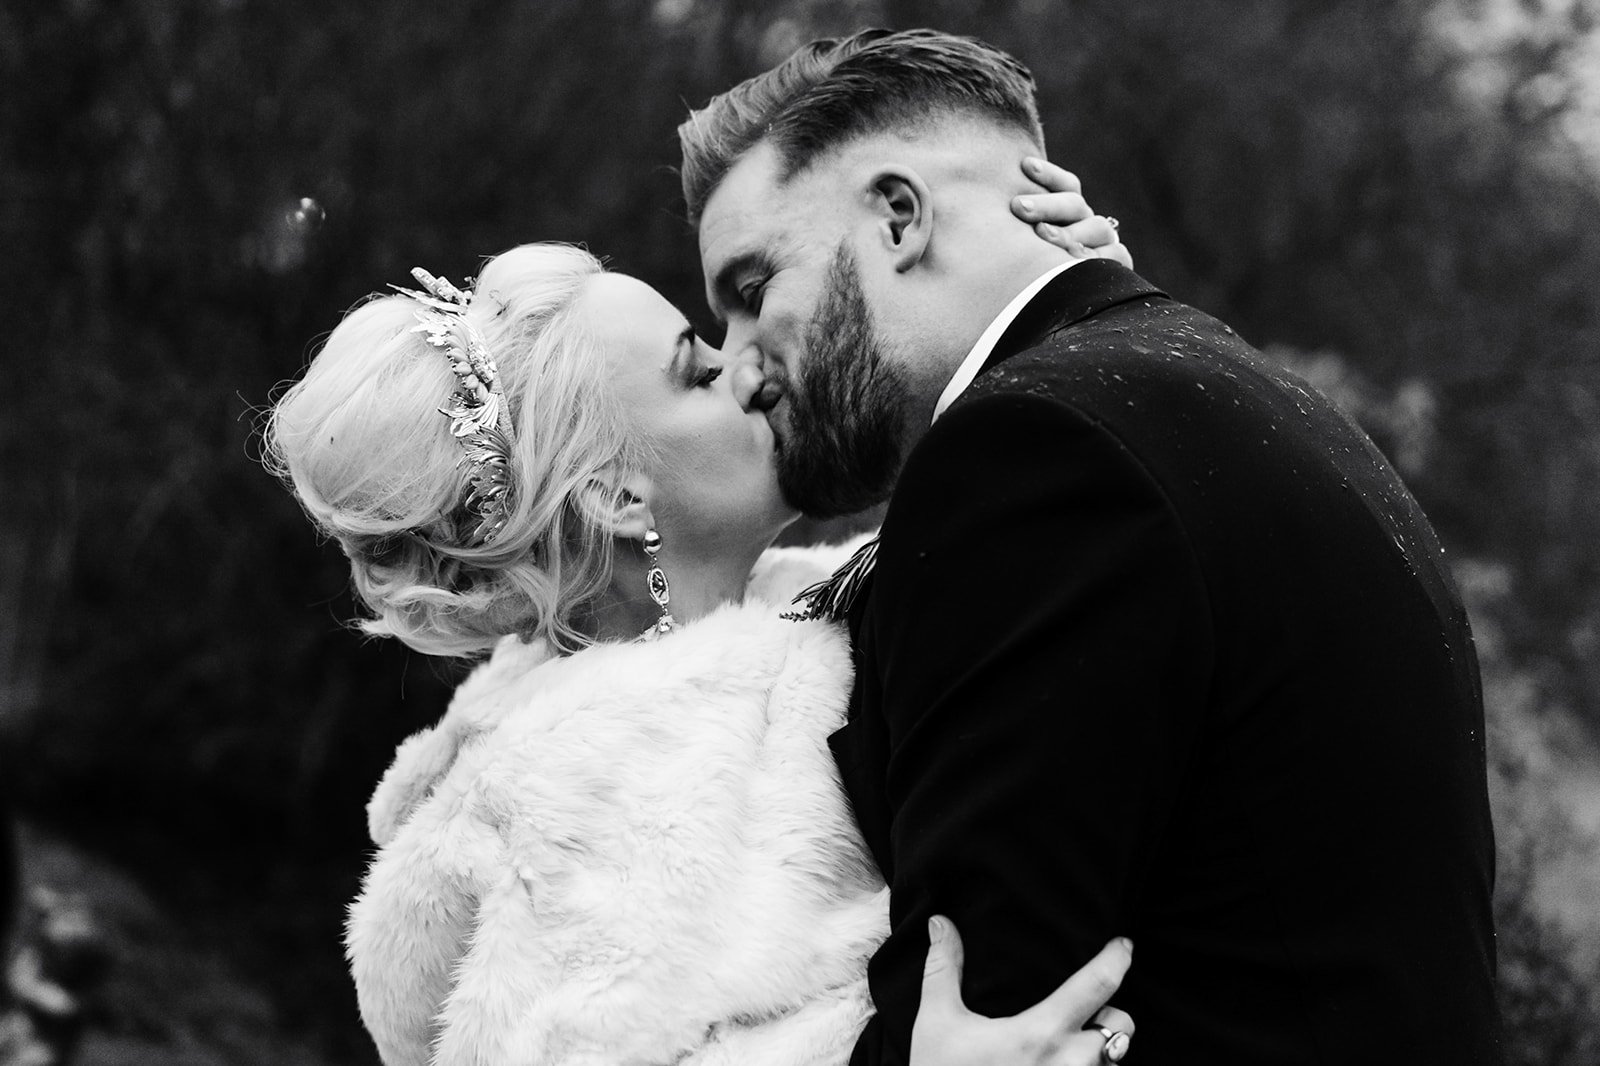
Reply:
x=831 y=598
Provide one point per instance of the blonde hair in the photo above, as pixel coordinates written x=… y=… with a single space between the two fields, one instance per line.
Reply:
x=361 y=443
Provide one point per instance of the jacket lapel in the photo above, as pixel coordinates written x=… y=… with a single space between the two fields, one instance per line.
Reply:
x=861 y=746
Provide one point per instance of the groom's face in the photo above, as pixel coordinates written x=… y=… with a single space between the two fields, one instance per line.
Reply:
x=781 y=274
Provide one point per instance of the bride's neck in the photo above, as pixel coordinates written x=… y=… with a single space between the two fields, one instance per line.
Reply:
x=698 y=587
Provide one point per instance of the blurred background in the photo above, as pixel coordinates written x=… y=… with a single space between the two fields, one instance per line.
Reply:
x=1399 y=198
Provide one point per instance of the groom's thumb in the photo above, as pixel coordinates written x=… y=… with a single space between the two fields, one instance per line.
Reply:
x=941 y=974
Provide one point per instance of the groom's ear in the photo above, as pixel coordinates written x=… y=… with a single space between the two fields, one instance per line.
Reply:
x=903 y=208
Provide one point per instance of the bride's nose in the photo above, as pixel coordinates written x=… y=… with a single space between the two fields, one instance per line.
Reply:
x=753 y=388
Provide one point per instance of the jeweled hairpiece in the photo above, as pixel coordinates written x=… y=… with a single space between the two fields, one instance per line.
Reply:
x=479 y=416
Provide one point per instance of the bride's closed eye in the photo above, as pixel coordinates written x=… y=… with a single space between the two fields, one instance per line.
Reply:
x=701 y=377
x=693 y=373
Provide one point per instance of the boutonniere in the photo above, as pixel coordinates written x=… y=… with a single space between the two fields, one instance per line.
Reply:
x=831 y=598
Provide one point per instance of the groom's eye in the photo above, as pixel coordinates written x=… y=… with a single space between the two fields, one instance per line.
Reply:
x=750 y=296
x=704 y=376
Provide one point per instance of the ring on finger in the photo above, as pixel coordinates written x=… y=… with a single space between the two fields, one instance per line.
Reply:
x=1116 y=1044
x=1112 y=222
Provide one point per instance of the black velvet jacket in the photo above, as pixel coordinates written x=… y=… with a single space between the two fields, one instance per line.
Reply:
x=1158 y=645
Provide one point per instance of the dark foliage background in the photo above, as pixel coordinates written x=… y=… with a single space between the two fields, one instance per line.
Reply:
x=1399 y=197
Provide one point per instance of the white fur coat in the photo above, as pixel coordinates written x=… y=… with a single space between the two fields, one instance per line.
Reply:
x=639 y=854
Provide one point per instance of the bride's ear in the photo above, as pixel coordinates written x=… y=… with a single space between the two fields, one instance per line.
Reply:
x=903 y=207
x=618 y=502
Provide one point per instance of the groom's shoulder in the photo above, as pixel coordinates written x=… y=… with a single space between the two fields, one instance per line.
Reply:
x=1151 y=343
x=1150 y=364
x=1175 y=391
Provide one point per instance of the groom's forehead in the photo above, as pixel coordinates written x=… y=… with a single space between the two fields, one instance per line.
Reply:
x=757 y=205
x=751 y=224
x=750 y=193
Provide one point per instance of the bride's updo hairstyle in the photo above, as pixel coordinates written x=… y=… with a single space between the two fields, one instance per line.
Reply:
x=362 y=443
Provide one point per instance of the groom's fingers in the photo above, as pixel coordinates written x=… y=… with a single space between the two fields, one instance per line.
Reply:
x=1111 y=1018
x=1086 y=991
x=941 y=974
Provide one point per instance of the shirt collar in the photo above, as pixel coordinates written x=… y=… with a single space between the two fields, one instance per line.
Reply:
x=973 y=363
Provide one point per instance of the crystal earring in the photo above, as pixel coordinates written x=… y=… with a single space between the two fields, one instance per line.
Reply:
x=656 y=581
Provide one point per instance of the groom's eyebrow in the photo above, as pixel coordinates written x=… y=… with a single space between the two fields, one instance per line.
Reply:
x=725 y=286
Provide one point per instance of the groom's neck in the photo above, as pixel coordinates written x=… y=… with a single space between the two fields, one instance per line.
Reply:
x=973 y=297
x=1011 y=270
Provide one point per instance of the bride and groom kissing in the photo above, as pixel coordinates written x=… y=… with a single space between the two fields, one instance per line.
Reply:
x=1152 y=641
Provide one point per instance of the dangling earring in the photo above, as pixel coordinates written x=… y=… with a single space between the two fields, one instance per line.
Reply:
x=656 y=581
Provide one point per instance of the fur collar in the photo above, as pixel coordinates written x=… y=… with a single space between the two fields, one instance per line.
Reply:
x=639 y=852
x=508 y=677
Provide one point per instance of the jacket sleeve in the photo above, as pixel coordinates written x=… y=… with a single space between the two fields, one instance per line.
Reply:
x=1042 y=640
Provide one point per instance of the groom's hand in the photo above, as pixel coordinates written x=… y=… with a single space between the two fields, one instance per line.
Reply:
x=1061 y=215
x=1050 y=1033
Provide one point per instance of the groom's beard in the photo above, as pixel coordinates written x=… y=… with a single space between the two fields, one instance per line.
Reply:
x=847 y=410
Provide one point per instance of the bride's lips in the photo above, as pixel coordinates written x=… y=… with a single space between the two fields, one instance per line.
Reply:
x=767 y=400
x=768 y=395
x=777 y=434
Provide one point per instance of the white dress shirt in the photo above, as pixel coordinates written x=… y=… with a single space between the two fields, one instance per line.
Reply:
x=991 y=336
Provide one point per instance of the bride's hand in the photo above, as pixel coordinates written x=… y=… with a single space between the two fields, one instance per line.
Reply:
x=1063 y=217
x=1051 y=1033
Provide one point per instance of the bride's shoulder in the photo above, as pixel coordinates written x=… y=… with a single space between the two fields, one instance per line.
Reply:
x=492 y=690
x=781 y=574
x=734 y=657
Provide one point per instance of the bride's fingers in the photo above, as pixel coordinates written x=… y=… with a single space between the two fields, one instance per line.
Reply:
x=941 y=973
x=1060 y=208
x=1117 y=252
x=1061 y=237
x=1052 y=177
x=1093 y=237
x=1096 y=231
x=1086 y=991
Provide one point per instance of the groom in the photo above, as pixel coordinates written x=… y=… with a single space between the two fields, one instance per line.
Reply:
x=1155 y=643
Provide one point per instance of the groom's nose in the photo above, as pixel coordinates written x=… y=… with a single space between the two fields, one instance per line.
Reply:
x=753 y=387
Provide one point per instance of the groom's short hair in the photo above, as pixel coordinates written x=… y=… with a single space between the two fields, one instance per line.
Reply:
x=835 y=89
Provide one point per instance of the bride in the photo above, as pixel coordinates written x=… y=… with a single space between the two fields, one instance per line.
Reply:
x=625 y=842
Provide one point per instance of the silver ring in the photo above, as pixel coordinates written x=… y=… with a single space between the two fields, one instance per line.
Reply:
x=1116 y=1044
x=1112 y=222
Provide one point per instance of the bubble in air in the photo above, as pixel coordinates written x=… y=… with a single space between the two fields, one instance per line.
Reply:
x=287 y=233
x=307 y=215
